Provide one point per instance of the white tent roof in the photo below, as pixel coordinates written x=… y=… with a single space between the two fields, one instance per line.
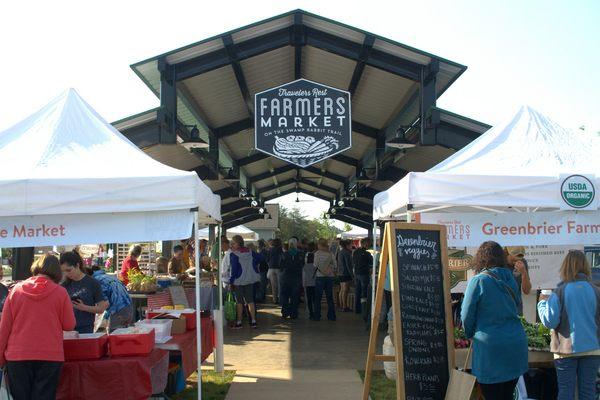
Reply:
x=66 y=159
x=516 y=164
x=355 y=233
x=242 y=230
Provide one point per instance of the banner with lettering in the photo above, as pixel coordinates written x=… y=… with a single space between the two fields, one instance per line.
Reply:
x=519 y=229
x=72 y=229
x=302 y=122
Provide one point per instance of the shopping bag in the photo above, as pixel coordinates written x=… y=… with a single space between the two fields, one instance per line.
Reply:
x=4 y=393
x=461 y=383
x=230 y=311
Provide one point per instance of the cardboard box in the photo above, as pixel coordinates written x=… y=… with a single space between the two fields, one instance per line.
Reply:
x=179 y=326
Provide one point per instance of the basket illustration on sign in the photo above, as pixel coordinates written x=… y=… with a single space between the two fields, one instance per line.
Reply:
x=304 y=150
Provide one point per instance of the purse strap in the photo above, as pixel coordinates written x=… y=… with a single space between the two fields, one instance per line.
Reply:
x=502 y=283
x=468 y=355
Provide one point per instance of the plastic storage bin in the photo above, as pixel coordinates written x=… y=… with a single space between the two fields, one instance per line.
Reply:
x=122 y=342
x=162 y=328
x=88 y=346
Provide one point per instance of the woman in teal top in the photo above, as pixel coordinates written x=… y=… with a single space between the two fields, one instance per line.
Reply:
x=490 y=317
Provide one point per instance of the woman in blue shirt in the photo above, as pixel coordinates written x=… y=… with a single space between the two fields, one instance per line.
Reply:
x=490 y=317
x=573 y=311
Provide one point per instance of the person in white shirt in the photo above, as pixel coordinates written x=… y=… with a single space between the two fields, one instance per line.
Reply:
x=225 y=262
x=323 y=263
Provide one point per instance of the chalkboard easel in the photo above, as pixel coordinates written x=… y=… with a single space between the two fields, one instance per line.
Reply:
x=416 y=257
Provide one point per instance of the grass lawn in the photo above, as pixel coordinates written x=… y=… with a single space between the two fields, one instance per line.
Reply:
x=214 y=386
x=382 y=388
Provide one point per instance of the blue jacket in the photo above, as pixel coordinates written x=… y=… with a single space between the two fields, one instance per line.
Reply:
x=114 y=291
x=244 y=267
x=489 y=315
x=578 y=318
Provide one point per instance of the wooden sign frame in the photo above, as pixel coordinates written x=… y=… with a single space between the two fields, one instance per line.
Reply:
x=389 y=252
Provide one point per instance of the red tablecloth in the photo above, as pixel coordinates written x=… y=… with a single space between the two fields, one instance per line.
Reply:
x=186 y=345
x=115 y=378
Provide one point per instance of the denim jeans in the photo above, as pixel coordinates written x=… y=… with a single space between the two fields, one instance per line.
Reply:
x=361 y=286
x=261 y=287
x=324 y=284
x=290 y=296
x=577 y=372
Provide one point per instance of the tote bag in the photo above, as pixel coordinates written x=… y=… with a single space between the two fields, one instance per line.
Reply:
x=230 y=311
x=461 y=383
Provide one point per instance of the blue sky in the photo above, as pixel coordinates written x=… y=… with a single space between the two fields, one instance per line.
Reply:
x=542 y=53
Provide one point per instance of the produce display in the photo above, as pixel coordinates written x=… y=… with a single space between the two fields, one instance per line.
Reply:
x=138 y=282
x=538 y=336
x=460 y=340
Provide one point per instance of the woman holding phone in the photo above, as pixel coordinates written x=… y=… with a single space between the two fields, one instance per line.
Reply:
x=85 y=292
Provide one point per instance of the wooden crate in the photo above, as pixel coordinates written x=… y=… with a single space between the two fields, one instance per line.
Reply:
x=146 y=260
x=537 y=359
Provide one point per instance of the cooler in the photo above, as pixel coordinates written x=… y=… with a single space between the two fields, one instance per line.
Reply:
x=131 y=342
x=162 y=328
x=88 y=346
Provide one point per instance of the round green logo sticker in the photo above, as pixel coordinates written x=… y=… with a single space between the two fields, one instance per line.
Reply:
x=577 y=191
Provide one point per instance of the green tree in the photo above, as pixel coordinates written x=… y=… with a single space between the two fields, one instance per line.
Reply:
x=292 y=222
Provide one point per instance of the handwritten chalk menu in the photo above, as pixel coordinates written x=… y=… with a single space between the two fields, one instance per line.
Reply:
x=423 y=303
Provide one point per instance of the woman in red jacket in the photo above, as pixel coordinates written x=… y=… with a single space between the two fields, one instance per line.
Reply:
x=36 y=313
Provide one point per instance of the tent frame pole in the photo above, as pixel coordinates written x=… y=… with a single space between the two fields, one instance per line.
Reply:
x=219 y=355
x=198 y=310
x=374 y=271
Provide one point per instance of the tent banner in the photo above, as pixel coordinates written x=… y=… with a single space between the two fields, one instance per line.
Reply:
x=519 y=229
x=73 y=229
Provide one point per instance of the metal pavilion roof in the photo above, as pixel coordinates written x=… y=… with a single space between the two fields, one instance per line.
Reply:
x=211 y=84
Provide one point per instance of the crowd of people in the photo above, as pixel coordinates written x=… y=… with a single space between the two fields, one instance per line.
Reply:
x=65 y=295
x=62 y=295
x=292 y=269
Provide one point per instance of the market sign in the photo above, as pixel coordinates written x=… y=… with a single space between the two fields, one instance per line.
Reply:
x=577 y=192
x=302 y=122
x=459 y=262
x=73 y=229
x=519 y=229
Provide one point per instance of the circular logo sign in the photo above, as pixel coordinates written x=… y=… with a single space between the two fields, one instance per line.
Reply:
x=577 y=191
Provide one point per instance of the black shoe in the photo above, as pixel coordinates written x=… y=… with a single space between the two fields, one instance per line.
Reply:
x=253 y=324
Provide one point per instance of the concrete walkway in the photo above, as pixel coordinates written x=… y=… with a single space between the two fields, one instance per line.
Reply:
x=299 y=359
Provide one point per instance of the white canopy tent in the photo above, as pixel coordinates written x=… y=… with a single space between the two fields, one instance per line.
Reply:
x=505 y=186
x=242 y=230
x=68 y=177
x=355 y=233
x=65 y=169
x=514 y=166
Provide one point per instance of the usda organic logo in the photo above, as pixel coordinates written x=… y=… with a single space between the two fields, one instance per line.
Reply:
x=577 y=191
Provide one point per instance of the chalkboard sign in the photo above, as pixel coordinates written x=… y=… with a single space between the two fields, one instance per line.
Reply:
x=424 y=335
x=416 y=257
